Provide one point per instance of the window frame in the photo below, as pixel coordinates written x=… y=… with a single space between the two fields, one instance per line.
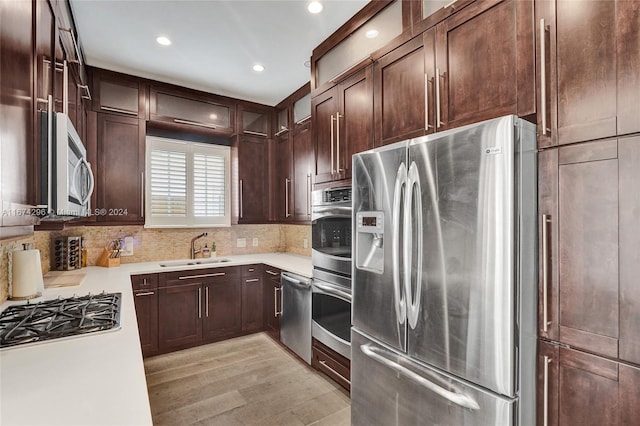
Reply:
x=189 y=148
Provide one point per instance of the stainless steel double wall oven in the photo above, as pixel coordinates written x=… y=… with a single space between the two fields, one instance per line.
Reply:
x=331 y=258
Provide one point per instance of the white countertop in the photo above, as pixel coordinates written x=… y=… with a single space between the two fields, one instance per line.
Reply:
x=95 y=379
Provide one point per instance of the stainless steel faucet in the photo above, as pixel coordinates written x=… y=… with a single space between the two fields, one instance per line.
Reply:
x=193 y=249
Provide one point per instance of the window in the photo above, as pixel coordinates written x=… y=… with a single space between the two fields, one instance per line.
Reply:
x=188 y=184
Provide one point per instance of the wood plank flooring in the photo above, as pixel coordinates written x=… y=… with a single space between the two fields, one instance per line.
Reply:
x=249 y=380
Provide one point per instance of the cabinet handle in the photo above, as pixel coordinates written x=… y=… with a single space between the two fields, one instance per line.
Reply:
x=251 y=269
x=206 y=301
x=146 y=293
x=252 y=280
x=545 y=271
x=438 y=121
x=332 y=169
x=426 y=102
x=251 y=132
x=121 y=111
x=217 y=274
x=325 y=365
x=272 y=272
x=545 y=402
x=338 y=169
x=286 y=197
x=142 y=191
x=75 y=45
x=194 y=123
x=199 y=302
x=65 y=90
x=85 y=87
x=241 y=212
x=308 y=194
x=543 y=76
x=278 y=133
x=275 y=302
x=144 y=281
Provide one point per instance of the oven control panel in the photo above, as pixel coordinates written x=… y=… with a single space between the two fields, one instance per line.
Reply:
x=371 y=222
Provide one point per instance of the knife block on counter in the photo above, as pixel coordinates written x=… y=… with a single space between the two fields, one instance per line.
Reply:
x=106 y=260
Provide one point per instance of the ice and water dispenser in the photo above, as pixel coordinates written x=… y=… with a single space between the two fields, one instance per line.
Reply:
x=370 y=241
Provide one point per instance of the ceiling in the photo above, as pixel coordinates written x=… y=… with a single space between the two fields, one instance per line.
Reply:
x=215 y=43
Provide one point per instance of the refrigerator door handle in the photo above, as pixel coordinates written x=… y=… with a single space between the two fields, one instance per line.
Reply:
x=399 y=297
x=413 y=183
x=460 y=399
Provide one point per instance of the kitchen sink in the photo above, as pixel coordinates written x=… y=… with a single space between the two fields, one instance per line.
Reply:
x=190 y=262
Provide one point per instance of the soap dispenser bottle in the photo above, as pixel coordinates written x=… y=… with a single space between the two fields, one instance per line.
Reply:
x=206 y=252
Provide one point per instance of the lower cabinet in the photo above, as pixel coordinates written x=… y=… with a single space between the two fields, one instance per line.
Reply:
x=180 y=315
x=252 y=303
x=272 y=301
x=577 y=388
x=145 y=296
x=222 y=307
x=331 y=363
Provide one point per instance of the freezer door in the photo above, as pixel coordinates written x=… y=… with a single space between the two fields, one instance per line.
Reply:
x=463 y=305
x=387 y=388
x=379 y=184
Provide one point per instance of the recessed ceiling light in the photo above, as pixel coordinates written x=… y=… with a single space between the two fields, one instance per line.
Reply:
x=307 y=63
x=315 y=7
x=163 y=40
x=371 y=34
x=258 y=68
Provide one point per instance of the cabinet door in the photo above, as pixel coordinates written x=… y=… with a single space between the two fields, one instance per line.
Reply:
x=547 y=384
x=485 y=62
x=399 y=85
x=254 y=179
x=180 y=315
x=222 y=308
x=302 y=153
x=120 y=169
x=252 y=318
x=588 y=246
x=118 y=94
x=324 y=109
x=255 y=122
x=586 y=43
x=629 y=249
x=283 y=183
x=146 y=302
x=628 y=57
x=271 y=298
x=354 y=128
x=191 y=109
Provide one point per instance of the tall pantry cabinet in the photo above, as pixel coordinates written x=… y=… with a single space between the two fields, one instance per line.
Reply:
x=588 y=82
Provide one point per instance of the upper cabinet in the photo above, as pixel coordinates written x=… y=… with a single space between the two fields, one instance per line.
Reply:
x=254 y=121
x=118 y=94
x=253 y=179
x=191 y=110
x=587 y=72
x=342 y=126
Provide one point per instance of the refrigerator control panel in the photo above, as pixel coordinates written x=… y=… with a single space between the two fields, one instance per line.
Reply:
x=372 y=222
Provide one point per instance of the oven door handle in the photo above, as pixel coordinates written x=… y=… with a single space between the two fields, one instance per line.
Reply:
x=331 y=211
x=333 y=290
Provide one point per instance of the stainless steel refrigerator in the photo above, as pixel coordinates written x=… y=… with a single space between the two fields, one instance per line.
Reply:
x=444 y=279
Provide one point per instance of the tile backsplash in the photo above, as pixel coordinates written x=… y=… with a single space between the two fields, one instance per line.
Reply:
x=165 y=244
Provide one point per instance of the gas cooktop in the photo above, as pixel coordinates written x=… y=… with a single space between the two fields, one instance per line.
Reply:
x=58 y=318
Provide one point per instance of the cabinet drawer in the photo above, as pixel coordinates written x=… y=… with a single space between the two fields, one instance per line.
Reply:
x=188 y=277
x=145 y=281
x=332 y=364
x=249 y=271
x=272 y=273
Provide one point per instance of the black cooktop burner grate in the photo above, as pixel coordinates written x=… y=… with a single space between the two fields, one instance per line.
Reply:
x=53 y=319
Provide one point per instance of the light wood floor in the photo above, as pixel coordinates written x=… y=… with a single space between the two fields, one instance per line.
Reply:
x=249 y=380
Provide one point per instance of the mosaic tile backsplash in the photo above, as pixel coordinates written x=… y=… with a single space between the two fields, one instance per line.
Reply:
x=165 y=244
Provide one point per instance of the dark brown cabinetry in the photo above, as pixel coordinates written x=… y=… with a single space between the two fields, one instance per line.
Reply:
x=253 y=183
x=342 y=120
x=302 y=158
x=189 y=110
x=254 y=121
x=580 y=388
x=589 y=55
x=272 y=301
x=589 y=209
x=118 y=94
x=180 y=313
x=120 y=175
x=331 y=363
x=145 y=294
x=282 y=183
x=222 y=303
x=252 y=301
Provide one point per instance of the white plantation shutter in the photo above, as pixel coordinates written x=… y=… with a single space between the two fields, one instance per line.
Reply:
x=188 y=184
x=168 y=176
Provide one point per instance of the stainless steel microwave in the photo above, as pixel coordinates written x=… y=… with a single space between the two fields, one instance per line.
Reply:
x=67 y=178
